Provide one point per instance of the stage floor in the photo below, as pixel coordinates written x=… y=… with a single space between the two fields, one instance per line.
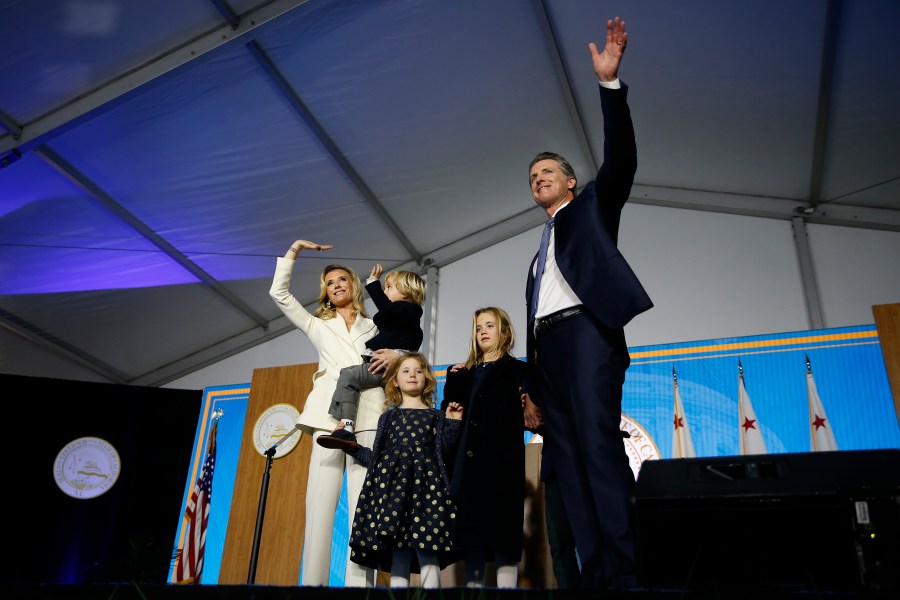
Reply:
x=128 y=591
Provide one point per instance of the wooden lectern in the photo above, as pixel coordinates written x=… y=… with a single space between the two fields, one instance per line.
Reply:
x=281 y=541
x=887 y=322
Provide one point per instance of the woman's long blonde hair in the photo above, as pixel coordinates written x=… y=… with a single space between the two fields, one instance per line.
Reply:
x=393 y=397
x=505 y=341
x=326 y=309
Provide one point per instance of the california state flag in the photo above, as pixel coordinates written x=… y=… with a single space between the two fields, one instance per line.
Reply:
x=750 y=431
x=682 y=445
x=821 y=436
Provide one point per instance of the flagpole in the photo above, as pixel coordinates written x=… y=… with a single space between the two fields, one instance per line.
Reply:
x=678 y=438
x=742 y=445
x=821 y=434
x=189 y=567
x=682 y=444
x=750 y=430
x=809 y=407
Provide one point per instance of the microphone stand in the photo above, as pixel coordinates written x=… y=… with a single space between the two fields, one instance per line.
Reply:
x=263 y=494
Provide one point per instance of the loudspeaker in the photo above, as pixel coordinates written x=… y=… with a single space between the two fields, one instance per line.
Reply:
x=819 y=521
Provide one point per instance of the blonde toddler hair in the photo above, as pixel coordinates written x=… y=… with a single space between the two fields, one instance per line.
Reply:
x=409 y=284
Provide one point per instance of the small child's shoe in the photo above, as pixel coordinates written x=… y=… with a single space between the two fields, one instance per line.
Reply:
x=340 y=439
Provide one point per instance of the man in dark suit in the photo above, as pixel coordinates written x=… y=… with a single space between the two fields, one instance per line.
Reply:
x=577 y=354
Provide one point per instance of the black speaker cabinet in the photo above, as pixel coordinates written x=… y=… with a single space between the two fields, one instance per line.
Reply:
x=819 y=521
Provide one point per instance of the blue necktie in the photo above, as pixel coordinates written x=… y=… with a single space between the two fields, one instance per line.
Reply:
x=541 y=261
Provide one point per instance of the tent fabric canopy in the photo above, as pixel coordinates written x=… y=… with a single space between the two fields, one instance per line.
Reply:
x=157 y=156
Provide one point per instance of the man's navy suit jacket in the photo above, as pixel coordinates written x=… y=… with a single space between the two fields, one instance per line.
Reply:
x=586 y=231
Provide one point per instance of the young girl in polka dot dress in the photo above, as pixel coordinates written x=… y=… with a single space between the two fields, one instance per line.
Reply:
x=404 y=513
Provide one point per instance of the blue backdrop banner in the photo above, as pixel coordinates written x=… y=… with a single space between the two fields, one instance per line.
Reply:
x=846 y=364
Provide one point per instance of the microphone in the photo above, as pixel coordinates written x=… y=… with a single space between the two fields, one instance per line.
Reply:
x=271 y=451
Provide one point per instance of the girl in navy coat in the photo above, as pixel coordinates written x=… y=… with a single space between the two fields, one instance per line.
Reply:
x=487 y=478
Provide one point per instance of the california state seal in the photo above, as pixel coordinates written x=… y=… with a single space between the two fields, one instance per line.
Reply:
x=639 y=446
x=86 y=468
x=273 y=424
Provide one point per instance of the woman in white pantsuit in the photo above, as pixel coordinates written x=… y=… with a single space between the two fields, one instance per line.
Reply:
x=338 y=331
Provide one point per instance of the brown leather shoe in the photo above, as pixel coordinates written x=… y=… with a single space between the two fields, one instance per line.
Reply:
x=339 y=440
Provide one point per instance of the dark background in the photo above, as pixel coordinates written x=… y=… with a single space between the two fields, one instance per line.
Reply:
x=125 y=534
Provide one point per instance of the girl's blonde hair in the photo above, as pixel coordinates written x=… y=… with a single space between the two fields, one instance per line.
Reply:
x=409 y=284
x=327 y=310
x=392 y=393
x=505 y=340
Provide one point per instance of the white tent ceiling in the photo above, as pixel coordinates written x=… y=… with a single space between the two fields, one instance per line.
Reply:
x=158 y=155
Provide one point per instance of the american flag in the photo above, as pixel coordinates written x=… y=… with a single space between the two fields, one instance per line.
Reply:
x=190 y=565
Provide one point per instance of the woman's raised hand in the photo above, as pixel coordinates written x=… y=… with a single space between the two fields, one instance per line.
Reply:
x=299 y=245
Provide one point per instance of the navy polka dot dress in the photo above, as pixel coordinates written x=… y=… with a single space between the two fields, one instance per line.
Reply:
x=404 y=502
